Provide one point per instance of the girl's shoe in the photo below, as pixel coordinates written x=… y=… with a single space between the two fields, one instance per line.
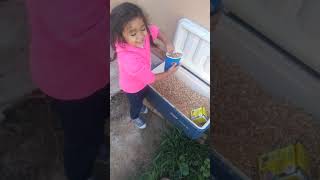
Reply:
x=139 y=122
x=144 y=109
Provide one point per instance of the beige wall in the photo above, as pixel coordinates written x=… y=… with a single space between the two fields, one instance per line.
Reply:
x=166 y=15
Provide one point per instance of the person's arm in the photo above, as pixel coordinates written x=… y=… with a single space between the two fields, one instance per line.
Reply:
x=135 y=66
x=165 y=40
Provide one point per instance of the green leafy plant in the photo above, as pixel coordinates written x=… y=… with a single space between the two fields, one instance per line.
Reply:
x=178 y=157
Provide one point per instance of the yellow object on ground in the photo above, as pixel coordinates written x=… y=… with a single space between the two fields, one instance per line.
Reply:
x=199 y=116
x=289 y=163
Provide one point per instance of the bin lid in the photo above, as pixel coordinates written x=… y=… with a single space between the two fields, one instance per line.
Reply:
x=193 y=41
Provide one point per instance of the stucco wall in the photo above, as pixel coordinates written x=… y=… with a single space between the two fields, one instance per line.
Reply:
x=166 y=13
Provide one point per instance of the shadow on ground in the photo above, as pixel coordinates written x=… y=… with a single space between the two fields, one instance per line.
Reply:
x=32 y=143
x=131 y=148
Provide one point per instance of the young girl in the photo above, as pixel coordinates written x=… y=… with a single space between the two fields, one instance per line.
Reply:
x=131 y=37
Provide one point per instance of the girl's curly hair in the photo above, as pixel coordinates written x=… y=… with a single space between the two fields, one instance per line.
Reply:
x=120 y=16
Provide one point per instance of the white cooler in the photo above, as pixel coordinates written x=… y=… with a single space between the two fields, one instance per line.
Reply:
x=194 y=42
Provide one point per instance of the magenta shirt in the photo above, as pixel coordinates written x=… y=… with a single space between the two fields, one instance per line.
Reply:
x=69 y=56
x=135 y=64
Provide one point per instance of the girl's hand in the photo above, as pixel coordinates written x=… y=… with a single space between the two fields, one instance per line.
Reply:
x=170 y=47
x=166 y=74
x=173 y=68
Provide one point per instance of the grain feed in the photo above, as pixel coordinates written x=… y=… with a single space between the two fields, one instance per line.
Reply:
x=181 y=96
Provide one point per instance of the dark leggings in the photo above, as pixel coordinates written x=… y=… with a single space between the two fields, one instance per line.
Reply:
x=83 y=122
x=135 y=100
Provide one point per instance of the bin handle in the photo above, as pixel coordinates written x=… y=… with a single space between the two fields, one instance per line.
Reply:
x=173 y=115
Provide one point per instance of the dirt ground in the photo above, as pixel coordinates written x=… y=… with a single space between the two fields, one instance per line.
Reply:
x=32 y=143
x=249 y=122
x=131 y=148
x=33 y=146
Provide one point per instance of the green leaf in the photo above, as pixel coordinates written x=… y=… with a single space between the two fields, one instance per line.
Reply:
x=182 y=158
x=202 y=168
x=196 y=163
x=206 y=174
x=179 y=158
x=184 y=169
x=207 y=161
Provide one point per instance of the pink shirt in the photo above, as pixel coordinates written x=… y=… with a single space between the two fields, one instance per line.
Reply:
x=69 y=56
x=135 y=64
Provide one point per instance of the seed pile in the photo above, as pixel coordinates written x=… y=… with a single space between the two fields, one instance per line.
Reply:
x=181 y=96
x=249 y=122
x=175 y=55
